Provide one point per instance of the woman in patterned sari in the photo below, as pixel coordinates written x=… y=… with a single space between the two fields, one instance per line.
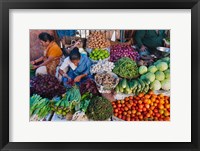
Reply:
x=51 y=57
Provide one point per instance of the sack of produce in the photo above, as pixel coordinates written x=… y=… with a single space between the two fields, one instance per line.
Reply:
x=106 y=81
x=102 y=66
x=79 y=116
x=98 y=39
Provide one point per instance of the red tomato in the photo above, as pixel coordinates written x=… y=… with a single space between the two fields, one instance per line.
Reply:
x=120 y=116
x=147 y=106
x=126 y=108
x=155 y=110
x=119 y=105
x=141 y=106
x=157 y=115
x=124 y=113
x=116 y=110
x=144 y=109
x=160 y=106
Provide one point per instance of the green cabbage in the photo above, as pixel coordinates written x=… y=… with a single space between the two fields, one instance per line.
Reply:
x=150 y=76
x=167 y=74
x=142 y=69
x=162 y=66
x=166 y=59
x=152 y=69
x=160 y=75
x=155 y=85
x=165 y=84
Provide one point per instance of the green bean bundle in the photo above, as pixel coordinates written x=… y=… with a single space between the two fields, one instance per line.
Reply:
x=126 y=68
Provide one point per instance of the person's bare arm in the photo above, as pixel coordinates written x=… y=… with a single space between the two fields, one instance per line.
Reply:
x=46 y=61
x=37 y=60
x=78 y=78
x=63 y=74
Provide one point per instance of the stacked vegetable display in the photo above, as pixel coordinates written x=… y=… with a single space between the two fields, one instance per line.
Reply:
x=98 y=39
x=39 y=106
x=119 y=51
x=144 y=107
x=68 y=102
x=134 y=86
x=99 y=54
x=158 y=74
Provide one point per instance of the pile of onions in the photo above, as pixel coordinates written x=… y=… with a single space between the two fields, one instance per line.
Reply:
x=98 y=39
x=121 y=50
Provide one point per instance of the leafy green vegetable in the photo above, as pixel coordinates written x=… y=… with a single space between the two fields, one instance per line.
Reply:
x=99 y=109
x=39 y=106
x=126 y=68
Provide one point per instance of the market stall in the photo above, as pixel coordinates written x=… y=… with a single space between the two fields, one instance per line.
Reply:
x=125 y=85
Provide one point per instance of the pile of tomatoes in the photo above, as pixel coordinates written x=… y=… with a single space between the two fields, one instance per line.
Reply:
x=143 y=107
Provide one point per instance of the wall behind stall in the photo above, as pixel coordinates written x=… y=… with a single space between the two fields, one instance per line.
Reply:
x=36 y=49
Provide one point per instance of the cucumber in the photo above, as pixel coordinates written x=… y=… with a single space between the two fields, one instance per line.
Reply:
x=148 y=81
x=142 y=85
x=121 y=90
x=146 y=89
x=134 y=90
x=127 y=88
x=138 y=85
x=124 y=83
x=130 y=83
x=117 y=89
x=135 y=83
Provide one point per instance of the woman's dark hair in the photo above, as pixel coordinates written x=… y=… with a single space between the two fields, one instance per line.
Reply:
x=75 y=54
x=45 y=37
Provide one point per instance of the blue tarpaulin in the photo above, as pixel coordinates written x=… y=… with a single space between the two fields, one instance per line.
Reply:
x=62 y=33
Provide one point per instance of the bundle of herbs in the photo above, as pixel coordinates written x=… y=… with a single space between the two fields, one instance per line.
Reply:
x=126 y=68
x=99 y=109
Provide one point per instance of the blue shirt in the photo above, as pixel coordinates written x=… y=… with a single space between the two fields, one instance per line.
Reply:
x=83 y=66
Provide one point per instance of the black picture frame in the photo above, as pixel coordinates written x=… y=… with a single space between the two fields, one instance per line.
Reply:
x=5 y=5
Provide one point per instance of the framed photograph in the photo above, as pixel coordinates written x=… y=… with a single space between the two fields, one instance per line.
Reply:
x=99 y=75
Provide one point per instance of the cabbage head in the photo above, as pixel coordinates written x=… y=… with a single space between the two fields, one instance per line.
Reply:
x=150 y=76
x=155 y=85
x=162 y=66
x=142 y=69
x=152 y=69
x=167 y=74
x=160 y=75
x=165 y=84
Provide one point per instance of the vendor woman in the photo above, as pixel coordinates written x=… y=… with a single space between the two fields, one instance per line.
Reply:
x=78 y=68
x=51 y=57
